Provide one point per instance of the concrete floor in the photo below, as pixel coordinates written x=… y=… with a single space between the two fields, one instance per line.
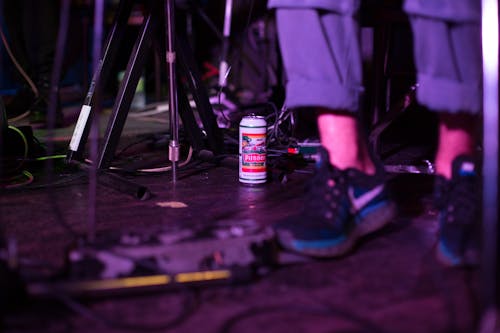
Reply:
x=389 y=283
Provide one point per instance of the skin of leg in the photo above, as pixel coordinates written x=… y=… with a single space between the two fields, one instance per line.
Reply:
x=457 y=136
x=448 y=61
x=340 y=135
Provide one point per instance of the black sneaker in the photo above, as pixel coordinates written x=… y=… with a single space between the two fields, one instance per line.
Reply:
x=458 y=203
x=340 y=207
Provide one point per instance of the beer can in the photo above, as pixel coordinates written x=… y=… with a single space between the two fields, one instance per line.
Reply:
x=252 y=150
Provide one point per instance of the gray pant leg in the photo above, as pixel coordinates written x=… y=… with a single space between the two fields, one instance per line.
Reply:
x=447 y=48
x=321 y=56
x=338 y=6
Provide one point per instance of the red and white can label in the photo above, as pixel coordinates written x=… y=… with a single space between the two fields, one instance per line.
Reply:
x=253 y=153
x=252 y=150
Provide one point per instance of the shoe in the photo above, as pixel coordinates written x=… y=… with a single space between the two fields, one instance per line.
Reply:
x=458 y=202
x=341 y=206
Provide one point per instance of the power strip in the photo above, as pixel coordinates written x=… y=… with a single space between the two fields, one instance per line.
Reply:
x=225 y=252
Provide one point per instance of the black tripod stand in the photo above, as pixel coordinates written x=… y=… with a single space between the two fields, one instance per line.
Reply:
x=178 y=57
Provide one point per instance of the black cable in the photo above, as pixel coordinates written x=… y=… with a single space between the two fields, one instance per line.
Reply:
x=208 y=21
x=239 y=54
x=219 y=105
x=69 y=180
x=326 y=310
x=247 y=25
x=365 y=325
x=52 y=200
x=135 y=143
x=18 y=66
x=276 y=132
x=190 y=304
x=250 y=13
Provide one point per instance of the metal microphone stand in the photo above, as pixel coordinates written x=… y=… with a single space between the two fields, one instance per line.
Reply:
x=489 y=293
x=173 y=153
x=178 y=58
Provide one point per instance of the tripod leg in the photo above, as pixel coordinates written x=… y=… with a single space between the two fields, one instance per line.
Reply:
x=173 y=146
x=126 y=92
x=82 y=128
x=191 y=128
x=200 y=96
x=223 y=67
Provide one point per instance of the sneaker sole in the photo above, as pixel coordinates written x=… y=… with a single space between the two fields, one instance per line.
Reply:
x=448 y=261
x=372 y=222
x=377 y=219
x=444 y=259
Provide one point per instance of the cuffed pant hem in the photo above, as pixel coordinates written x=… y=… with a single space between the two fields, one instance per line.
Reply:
x=443 y=95
x=322 y=94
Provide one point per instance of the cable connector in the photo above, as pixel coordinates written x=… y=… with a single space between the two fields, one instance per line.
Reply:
x=173 y=151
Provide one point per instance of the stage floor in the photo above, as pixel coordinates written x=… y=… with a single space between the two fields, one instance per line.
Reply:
x=389 y=283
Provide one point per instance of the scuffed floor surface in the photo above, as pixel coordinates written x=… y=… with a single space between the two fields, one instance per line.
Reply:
x=389 y=283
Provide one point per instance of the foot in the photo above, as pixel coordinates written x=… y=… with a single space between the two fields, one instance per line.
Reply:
x=341 y=206
x=457 y=200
